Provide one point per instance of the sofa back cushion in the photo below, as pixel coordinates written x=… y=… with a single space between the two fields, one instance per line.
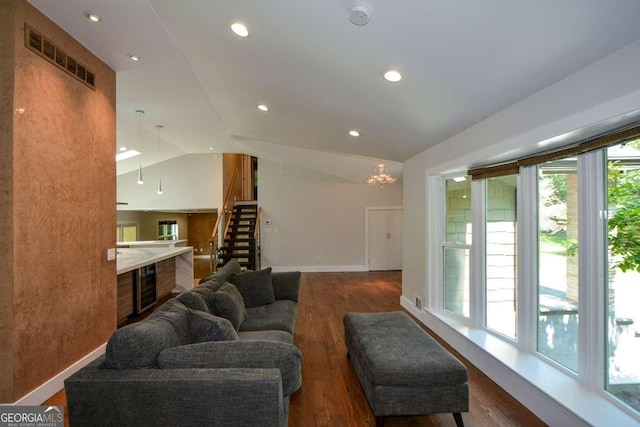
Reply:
x=228 y=303
x=138 y=345
x=205 y=327
x=224 y=272
x=254 y=286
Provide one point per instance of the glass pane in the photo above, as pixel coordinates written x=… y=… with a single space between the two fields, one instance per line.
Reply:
x=501 y=254
x=458 y=220
x=623 y=296
x=129 y=233
x=558 y=262
x=456 y=280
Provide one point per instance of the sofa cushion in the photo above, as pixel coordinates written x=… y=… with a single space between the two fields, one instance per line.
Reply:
x=254 y=286
x=207 y=327
x=224 y=272
x=228 y=303
x=139 y=344
x=239 y=354
x=281 y=316
x=195 y=301
x=278 y=336
x=286 y=284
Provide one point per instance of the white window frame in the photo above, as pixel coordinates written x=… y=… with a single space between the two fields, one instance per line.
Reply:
x=586 y=394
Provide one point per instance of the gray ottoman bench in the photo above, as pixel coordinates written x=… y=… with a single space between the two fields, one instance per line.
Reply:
x=404 y=371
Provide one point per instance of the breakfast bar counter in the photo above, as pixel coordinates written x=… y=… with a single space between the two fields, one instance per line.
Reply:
x=148 y=274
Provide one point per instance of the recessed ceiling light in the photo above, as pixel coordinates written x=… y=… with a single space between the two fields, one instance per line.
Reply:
x=94 y=17
x=354 y=133
x=240 y=29
x=123 y=148
x=460 y=179
x=263 y=107
x=210 y=148
x=392 y=76
x=134 y=57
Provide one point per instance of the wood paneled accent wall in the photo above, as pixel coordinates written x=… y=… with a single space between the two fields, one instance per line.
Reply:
x=58 y=191
x=7 y=12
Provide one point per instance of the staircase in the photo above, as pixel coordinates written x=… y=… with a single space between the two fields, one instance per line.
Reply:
x=240 y=241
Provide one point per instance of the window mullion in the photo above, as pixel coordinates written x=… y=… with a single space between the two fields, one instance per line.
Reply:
x=592 y=265
x=477 y=266
x=527 y=259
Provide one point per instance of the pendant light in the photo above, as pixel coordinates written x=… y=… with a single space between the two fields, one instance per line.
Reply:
x=159 y=128
x=139 y=113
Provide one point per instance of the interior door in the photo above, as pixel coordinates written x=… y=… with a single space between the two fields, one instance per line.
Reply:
x=385 y=239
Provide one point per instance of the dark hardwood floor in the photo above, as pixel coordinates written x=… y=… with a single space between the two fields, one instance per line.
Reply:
x=331 y=394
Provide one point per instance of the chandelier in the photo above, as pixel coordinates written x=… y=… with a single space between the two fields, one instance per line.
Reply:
x=381 y=177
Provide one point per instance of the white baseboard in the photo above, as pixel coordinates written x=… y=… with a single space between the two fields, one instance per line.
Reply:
x=322 y=268
x=55 y=384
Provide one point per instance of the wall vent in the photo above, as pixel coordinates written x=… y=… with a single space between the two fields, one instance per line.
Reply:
x=35 y=41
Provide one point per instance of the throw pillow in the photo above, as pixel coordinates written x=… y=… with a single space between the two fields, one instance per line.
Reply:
x=255 y=287
x=207 y=327
x=228 y=303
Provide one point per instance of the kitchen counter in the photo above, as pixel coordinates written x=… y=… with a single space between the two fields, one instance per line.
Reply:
x=139 y=290
x=129 y=259
x=152 y=244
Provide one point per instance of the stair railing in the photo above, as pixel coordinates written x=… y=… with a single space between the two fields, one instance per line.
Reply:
x=225 y=214
x=256 y=241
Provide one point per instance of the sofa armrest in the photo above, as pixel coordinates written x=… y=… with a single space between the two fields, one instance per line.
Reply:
x=159 y=397
x=287 y=358
x=286 y=285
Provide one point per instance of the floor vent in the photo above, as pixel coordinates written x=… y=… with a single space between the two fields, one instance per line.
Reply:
x=44 y=47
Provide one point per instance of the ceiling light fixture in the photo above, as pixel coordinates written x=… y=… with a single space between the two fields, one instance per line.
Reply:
x=240 y=29
x=123 y=148
x=381 y=177
x=210 y=148
x=93 y=17
x=392 y=76
x=134 y=57
x=263 y=107
x=159 y=128
x=140 y=113
x=354 y=133
x=460 y=178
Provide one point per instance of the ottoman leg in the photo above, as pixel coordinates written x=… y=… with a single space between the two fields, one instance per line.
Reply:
x=379 y=421
x=458 y=417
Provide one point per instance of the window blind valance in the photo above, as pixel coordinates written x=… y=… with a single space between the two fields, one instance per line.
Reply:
x=613 y=138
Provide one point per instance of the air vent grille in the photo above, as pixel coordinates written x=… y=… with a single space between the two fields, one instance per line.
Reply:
x=44 y=47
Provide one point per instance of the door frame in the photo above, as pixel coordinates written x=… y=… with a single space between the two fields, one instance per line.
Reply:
x=367 y=210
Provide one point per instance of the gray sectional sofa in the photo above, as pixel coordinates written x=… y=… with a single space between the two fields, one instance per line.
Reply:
x=221 y=354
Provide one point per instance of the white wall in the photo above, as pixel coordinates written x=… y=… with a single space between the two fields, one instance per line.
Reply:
x=317 y=220
x=192 y=181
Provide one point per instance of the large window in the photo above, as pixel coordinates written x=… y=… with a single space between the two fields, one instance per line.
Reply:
x=558 y=262
x=500 y=254
x=456 y=246
x=623 y=287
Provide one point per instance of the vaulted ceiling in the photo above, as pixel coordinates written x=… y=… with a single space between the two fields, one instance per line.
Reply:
x=321 y=76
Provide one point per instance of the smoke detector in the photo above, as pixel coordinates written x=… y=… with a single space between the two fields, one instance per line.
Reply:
x=359 y=14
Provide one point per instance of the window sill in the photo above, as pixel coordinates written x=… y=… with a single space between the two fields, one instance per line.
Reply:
x=549 y=392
